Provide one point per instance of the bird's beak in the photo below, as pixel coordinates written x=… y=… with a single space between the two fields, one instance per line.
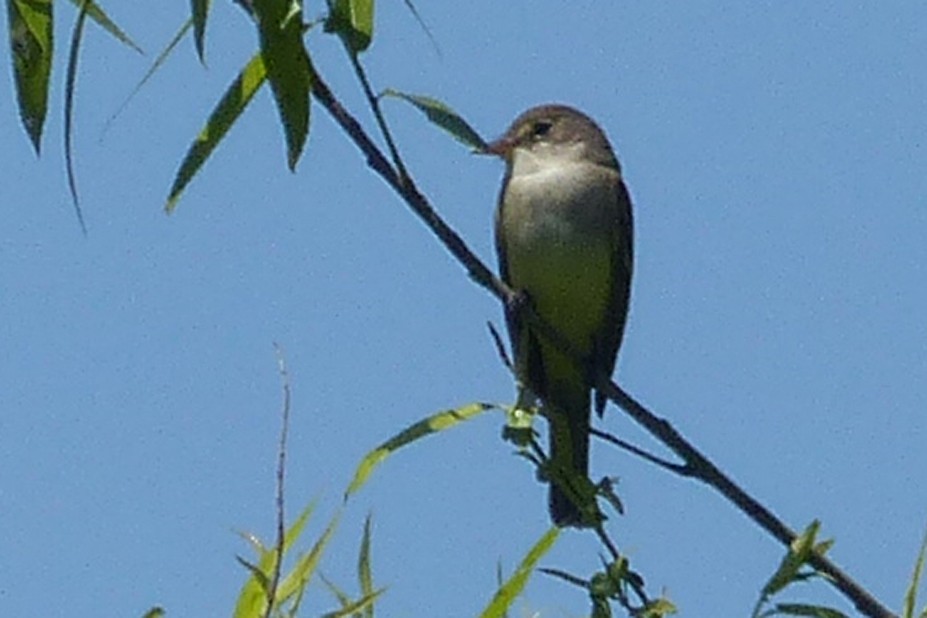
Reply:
x=501 y=147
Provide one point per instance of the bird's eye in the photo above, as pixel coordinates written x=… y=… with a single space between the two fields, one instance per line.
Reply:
x=541 y=128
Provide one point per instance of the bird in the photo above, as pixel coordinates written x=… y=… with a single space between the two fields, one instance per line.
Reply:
x=564 y=241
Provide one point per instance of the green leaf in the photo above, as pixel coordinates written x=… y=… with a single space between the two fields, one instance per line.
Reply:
x=797 y=556
x=443 y=116
x=510 y=590
x=95 y=13
x=288 y=69
x=200 y=11
x=601 y=609
x=422 y=25
x=252 y=600
x=361 y=605
x=802 y=548
x=910 y=597
x=352 y=20
x=230 y=107
x=154 y=612
x=812 y=611
x=293 y=533
x=364 y=570
x=606 y=489
x=69 y=88
x=159 y=61
x=32 y=43
x=519 y=425
x=297 y=579
x=426 y=427
x=499 y=581
x=618 y=573
x=658 y=608
x=340 y=594
x=601 y=586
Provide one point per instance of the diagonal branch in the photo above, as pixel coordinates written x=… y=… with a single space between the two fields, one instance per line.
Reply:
x=409 y=192
x=701 y=467
x=704 y=470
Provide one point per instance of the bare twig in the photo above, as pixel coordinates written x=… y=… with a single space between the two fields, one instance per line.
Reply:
x=680 y=469
x=281 y=469
x=500 y=347
x=374 y=102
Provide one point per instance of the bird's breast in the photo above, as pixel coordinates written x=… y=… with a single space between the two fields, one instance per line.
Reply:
x=559 y=228
x=573 y=203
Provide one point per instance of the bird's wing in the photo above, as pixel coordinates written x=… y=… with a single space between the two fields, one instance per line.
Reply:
x=607 y=344
x=525 y=346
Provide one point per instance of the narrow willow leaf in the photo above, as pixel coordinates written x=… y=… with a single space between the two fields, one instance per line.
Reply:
x=352 y=20
x=422 y=25
x=364 y=570
x=431 y=425
x=256 y=545
x=443 y=116
x=797 y=556
x=230 y=107
x=297 y=579
x=510 y=590
x=31 y=44
x=361 y=605
x=823 y=547
x=288 y=69
x=499 y=582
x=293 y=533
x=340 y=594
x=95 y=13
x=154 y=612
x=159 y=61
x=812 y=611
x=200 y=11
x=252 y=600
x=910 y=597
x=658 y=608
x=69 y=87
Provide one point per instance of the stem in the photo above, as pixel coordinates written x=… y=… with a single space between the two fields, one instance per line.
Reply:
x=374 y=101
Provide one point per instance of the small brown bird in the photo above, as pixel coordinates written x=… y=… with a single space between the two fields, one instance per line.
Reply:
x=564 y=239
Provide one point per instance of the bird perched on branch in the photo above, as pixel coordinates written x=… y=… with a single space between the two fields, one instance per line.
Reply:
x=564 y=240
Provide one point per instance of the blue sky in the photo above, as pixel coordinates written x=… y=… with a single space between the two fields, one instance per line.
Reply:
x=775 y=154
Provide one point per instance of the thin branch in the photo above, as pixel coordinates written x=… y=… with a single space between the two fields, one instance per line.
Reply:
x=374 y=101
x=703 y=469
x=410 y=193
x=281 y=469
x=500 y=347
x=607 y=542
x=680 y=469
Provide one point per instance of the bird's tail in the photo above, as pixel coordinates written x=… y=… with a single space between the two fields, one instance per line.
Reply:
x=568 y=413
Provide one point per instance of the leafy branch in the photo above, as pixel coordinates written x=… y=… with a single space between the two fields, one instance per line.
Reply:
x=284 y=62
